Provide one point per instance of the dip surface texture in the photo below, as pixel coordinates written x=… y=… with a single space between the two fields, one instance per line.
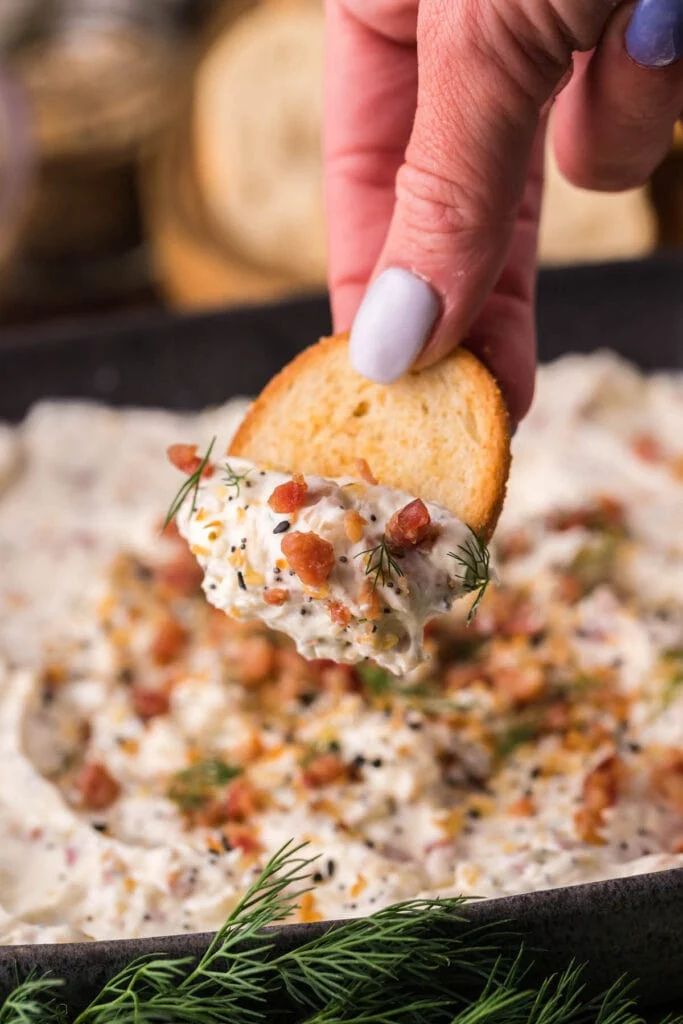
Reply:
x=155 y=752
x=368 y=598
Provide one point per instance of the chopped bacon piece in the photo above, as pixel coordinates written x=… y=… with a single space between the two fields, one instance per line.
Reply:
x=353 y=526
x=184 y=457
x=289 y=497
x=519 y=684
x=647 y=448
x=339 y=613
x=97 y=788
x=275 y=595
x=242 y=838
x=239 y=802
x=408 y=526
x=605 y=513
x=256 y=660
x=150 y=703
x=310 y=556
x=168 y=641
x=322 y=770
x=522 y=808
x=364 y=471
x=667 y=779
x=180 y=573
x=600 y=791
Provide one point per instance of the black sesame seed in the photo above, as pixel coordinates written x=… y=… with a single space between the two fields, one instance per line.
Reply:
x=373 y=519
x=99 y=826
x=317 y=877
x=343 y=558
x=240 y=580
x=262 y=472
x=474 y=812
x=303 y=611
x=282 y=527
x=377 y=762
x=233 y=548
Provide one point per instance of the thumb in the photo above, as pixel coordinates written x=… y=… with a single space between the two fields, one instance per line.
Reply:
x=485 y=75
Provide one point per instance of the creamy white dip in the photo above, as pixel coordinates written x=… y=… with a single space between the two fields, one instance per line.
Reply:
x=537 y=748
x=387 y=596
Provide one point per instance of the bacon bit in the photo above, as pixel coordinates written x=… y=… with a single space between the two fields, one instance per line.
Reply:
x=364 y=471
x=70 y=856
x=339 y=613
x=169 y=639
x=514 y=545
x=353 y=526
x=239 y=802
x=184 y=457
x=336 y=677
x=605 y=513
x=98 y=789
x=275 y=595
x=557 y=717
x=667 y=778
x=522 y=808
x=568 y=588
x=256 y=660
x=409 y=526
x=310 y=556
x=181 y=573
x=322 y=770
x=600 y=791
x=521 y=685
x=150 y=703
x=459 y=676
x=289 y=497
x=242 y=838
x=242 y=800
x=647 y=448
x=308 y=912
x=369 y=601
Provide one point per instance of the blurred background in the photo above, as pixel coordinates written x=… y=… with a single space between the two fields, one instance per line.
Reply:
x=166 y=152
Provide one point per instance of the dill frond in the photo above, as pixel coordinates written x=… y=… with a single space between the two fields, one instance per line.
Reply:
x=235 y=480
x=380 y=563
x=474 y=559
x=34 y=1001
x=190 y=486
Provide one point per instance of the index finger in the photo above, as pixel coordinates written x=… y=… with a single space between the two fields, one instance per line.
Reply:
x=370 y=96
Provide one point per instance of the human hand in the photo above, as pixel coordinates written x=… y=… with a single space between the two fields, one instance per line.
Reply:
x=434 y=182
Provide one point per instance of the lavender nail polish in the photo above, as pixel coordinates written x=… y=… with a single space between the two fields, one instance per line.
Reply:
x=654 y=37
x=392 y=325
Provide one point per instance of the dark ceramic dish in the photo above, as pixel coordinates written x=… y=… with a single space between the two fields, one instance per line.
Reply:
x=632 y=925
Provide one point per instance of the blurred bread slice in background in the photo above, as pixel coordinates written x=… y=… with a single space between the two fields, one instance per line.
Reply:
x=256 y=131
x=578 y=226
x=235 y=204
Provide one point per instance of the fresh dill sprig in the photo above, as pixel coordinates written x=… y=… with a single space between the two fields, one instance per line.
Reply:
x=418 y=962
x=380 y=563
x=474 y=559
x=233 y=479
x=34 y=1001
x=190 y=486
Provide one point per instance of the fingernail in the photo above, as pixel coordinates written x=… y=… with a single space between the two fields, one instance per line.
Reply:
x=654 y=37
x=392 y=325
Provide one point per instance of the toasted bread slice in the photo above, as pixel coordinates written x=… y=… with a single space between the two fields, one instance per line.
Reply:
x=441 y=433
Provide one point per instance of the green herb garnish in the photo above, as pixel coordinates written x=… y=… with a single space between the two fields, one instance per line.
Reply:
x=192 y=787
x=419 y=962
x=233 y=479
x=380 y=563
x=191 y=485
x=475 y=560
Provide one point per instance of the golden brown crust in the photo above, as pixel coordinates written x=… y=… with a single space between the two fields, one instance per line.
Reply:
x=441 y=433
